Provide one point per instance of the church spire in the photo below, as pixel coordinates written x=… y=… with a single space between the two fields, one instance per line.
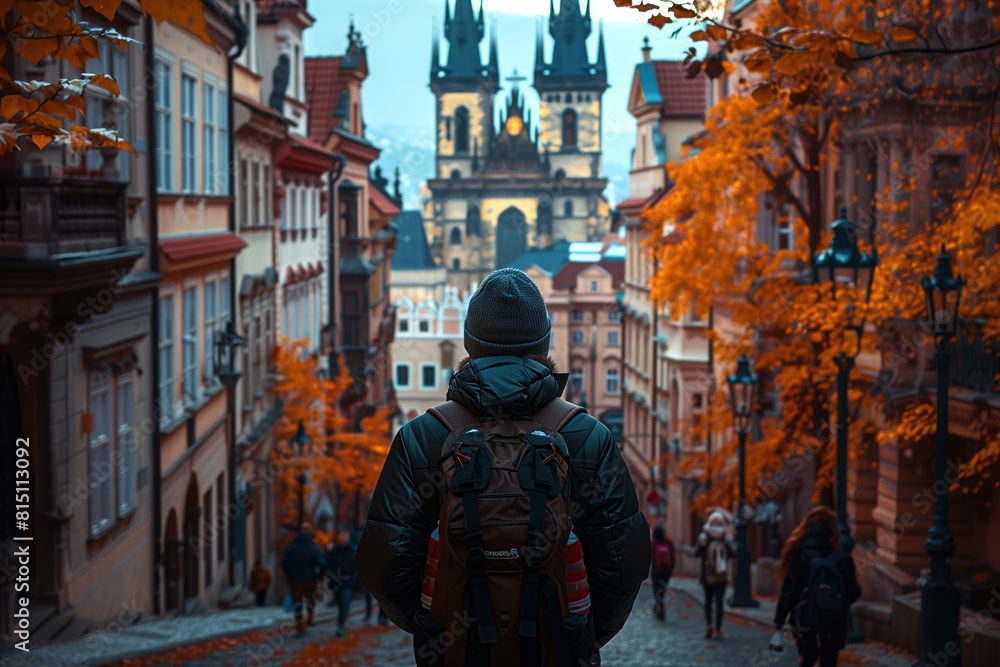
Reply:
x=539 y=48
x=601 y=64
x=570 y=61
x=464 y=32
x=494 y=63
x=435 y=55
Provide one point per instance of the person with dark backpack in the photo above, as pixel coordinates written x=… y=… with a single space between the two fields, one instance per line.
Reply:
x=819 y=585
x=505 y=471
x=663 y=568
x=715 y=550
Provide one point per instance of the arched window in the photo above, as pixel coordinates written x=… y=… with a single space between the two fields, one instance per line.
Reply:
x=568 y=208
x=569 y=97
x=461 y=130
x=569 y=127
x=456 y=236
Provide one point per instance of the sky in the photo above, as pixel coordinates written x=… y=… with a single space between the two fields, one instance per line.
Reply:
x=397 y=103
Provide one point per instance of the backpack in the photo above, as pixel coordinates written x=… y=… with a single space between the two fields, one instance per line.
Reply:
x=824 y=600
x=716 y=562
x=663 y=558
x=503 y=528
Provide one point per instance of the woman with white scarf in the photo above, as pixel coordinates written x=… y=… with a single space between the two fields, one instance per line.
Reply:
x=715 y=549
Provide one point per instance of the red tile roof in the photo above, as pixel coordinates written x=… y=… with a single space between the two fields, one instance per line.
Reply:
x=681 y=96
x=566 y=277
x=201 y=247
x=267 y=7
x=324 y=83
x=259 y=107
x=633 y=203
x=381 y=202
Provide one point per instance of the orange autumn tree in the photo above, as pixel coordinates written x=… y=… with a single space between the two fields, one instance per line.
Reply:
x=312 y=401
x=801 y=69
x=51 y=111
x=352 y=460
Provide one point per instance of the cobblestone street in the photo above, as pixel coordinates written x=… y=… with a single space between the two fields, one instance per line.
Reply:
x=644 y=642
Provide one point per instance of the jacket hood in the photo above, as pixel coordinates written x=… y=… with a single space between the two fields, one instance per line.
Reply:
x=506 y=387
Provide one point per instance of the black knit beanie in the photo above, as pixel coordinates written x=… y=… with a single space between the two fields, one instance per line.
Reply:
x=507 y=317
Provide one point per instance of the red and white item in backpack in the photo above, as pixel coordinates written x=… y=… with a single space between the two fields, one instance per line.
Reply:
x=577 y=588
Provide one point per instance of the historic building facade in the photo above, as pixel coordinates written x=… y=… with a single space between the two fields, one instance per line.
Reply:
x=499 y=189
x=666 y=381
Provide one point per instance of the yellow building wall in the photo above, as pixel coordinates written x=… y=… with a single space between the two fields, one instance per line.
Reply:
x=588 y=121
x=447 y=104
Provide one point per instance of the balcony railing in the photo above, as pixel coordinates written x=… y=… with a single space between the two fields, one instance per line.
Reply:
x=44 y=216
x=974 y=365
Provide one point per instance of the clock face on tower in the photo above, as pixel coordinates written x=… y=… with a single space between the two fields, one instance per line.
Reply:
x=514 y=125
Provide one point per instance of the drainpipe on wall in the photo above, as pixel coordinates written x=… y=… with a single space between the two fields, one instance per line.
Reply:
x=241 y=33
x=333 y=257
x=152 y=200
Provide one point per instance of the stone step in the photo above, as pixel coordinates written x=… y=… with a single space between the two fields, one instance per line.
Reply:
x=40 y=613
x=50 y=629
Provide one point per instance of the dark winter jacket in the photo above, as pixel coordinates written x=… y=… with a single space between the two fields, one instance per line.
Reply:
x=603 y=506
x=817 y=544
x=303 y=560
x=340 y=568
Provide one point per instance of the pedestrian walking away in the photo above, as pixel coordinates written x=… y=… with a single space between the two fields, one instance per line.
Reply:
x=819 y=585
x=303 y=564
x=342 y=577
x=260 y=581
x=663 y=568
x=505 y=445
x=715 y=549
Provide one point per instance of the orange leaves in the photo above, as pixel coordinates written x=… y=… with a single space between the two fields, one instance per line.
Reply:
x=902 y=35
x=188 y=14
x=868 y=37
x=107 y=8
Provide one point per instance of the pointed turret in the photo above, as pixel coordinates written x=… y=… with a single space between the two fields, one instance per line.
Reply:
x=494 y=63
x=570 y=66
x=435 y=55
x=463 y=31
x=396 y=189
x=601 y=64
x=539 y=48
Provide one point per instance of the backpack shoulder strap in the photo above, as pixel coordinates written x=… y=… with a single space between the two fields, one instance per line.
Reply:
x=453 y=415
x=555 y=415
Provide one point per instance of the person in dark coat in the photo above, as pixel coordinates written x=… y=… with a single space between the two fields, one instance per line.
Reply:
x=663 y=569
x=816 y=537
x=343 y=577
x=714 y=549
x=507 y=376
x=303 y=564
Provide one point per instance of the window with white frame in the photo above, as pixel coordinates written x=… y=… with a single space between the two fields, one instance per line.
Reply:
x=163 y=74
x=267 y=215
x=209 y=132
x=614 y=316
x=222 y=145
x=125 y=441
x=611 y=381
x=99 y=451
x=402 y=376
x=190 y=326
x=428 y=376
x=784 y=227
x=243 y=211
x=189 y=141
x=293 y=213
x=258 y=193
x=576 y=378
x=404 y=325
x=578 y=337
x=593 y=285
x=212 y=325
x=613 y=338
x=167 y=389
x=284 y=214
x=316 y=207
x=103 y=110
x=579 y=316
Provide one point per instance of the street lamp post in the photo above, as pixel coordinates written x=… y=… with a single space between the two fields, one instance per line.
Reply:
x=298 y=443
x=844 y=265
x=939 y=599
x=742 y=397
x=224 y=352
